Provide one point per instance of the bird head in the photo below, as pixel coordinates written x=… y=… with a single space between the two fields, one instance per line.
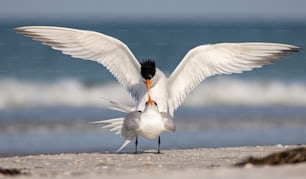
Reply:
x=148 y=69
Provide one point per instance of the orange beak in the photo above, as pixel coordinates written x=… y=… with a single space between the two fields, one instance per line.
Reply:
x=150 y=102
x=148 y=84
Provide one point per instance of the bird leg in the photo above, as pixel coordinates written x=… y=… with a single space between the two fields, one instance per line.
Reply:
x=136 y=143
x=158 y=149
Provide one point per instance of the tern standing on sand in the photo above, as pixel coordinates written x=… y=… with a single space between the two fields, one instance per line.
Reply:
x=149 y=124
x=198 y=64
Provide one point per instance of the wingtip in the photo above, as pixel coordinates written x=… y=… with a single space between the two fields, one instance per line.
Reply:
x=295 y=48
x=298 y=48
x=19 y=29
x=24 y=30
x=291 y=50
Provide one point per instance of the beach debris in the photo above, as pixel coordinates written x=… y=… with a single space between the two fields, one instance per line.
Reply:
x=10 y=171
x=148 y=163
x=290 y=156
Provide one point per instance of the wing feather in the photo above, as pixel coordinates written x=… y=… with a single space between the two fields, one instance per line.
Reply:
x=225 y=58
x=89 y=45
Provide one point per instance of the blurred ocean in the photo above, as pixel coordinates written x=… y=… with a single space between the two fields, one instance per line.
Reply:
x=47 y=98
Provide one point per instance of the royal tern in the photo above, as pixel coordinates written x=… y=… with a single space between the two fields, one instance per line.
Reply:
x=149 y=123
x=198 y=64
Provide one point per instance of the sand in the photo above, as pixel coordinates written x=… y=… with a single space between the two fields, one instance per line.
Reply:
x=190 y=163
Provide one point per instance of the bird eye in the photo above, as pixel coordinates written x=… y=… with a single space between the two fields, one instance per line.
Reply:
x=155 y=103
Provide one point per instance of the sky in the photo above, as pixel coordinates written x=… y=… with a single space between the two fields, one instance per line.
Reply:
x=154 y=9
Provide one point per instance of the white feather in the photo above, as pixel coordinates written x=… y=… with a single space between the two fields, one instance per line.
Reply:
x=119 y=106
x=225 y=58
x=115 y=124
x=123 y=145
x=89 y=45
x=198 y=64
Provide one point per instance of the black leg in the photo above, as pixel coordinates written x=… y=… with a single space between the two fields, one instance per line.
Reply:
x=136 y=143
x=158 y=149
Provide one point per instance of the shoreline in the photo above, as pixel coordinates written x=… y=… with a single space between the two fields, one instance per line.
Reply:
x=204 y=162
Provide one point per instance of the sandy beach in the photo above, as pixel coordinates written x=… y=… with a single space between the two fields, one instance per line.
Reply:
x=190 y=163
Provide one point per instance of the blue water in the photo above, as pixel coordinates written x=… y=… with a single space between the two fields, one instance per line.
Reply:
x=47 y=98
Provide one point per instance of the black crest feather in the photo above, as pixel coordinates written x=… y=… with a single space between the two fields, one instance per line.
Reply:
x=148 y=69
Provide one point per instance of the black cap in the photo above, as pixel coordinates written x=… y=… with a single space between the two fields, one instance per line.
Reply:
x=148 y=69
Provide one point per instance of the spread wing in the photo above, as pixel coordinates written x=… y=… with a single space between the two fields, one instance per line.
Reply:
x=89 y=45
x=225 y=58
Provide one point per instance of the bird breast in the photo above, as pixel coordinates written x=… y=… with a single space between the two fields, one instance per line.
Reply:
x=151 y=124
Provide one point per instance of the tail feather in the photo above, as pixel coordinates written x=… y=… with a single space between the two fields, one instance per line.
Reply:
x=115 y=129
x=108 y=121
x=120 y=107
x=124 y=144
x=115 y=125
